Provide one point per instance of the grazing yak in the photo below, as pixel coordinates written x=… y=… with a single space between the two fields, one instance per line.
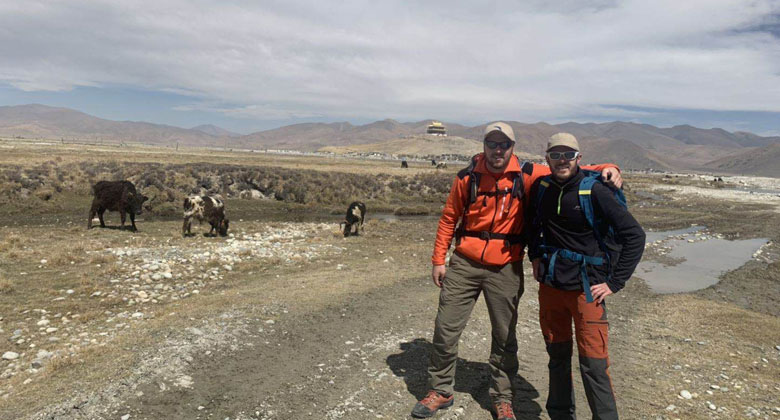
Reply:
x=208 y=208
x=404 y=164
x=356 y=214
x=441 y=165
x=118 y=196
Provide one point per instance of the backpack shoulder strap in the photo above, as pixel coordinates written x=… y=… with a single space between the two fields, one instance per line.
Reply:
x=585 y=190
x=518 y=183
x=541 y=188
x=471 y=193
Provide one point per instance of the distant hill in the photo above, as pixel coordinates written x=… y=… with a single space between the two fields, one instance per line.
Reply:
x=51 y=122
x=213 y=130
x=313 y=136
x=623 y=152
x=757 y=162
x=625 y=143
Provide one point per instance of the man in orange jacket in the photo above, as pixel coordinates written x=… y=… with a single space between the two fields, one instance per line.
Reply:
x=488 y=198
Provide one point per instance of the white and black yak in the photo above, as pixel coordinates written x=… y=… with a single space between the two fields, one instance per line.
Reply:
x=208 y=208
x=356 y=214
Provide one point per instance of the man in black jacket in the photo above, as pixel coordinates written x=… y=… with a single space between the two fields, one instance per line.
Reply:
x=578 y=267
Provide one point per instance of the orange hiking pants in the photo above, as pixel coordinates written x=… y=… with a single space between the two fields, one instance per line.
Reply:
x=557 y=309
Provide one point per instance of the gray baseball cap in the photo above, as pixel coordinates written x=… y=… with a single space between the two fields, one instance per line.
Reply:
x=503 y=127
x=563 y=139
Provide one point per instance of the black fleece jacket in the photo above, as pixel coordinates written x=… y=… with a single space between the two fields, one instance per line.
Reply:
x=563 y=225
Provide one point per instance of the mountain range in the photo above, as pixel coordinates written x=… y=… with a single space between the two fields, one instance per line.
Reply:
x=631 y=145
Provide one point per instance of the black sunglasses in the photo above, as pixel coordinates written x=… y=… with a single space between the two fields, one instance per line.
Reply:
x=569 y=155
x=505 y=145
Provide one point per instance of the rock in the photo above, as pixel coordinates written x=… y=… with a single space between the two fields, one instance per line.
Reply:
x=671 y=407
x=138 y=315
x=686 y=394
x=43 y=323
x=43 y=354
x=125 y=417
x=195 y=331
x=51 y=330
x=10 y=355
x=711 y=406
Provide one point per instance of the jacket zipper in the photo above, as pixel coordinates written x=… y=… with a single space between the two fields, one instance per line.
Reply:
x=560 y=195
x=495 y=211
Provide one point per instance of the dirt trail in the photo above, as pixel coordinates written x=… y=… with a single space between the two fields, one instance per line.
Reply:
x=361 y=358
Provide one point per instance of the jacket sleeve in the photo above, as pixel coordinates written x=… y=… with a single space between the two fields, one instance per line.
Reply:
x=540 y=171
x=600 y=167
x=532 y=233
x=453 y=210
x=628 y=233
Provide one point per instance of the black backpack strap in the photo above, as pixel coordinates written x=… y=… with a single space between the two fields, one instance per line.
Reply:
x=471 y=198
x=518 y=183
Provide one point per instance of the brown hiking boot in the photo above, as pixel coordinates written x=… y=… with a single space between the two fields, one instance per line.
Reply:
x=504 y=411
x=431 y=403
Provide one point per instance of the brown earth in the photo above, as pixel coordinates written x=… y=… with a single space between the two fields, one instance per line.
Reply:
x=306 y=323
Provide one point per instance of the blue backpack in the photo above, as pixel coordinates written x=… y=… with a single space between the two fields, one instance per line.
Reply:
x=595 y=223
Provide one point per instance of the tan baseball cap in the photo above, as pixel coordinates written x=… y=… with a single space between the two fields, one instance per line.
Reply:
x=502 y=127
x=563 y=139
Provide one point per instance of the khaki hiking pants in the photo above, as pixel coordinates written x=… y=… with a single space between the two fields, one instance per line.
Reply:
x=502 y=287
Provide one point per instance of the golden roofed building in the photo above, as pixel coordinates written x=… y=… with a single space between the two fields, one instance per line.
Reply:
x=436 y=128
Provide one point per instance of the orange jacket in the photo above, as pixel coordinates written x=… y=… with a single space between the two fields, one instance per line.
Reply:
x=493 y=213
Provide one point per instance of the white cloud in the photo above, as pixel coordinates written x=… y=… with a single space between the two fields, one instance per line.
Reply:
x=403 y=60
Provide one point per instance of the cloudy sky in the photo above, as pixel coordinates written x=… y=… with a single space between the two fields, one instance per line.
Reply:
x=255 y=65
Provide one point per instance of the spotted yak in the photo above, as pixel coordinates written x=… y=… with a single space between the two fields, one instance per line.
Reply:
x=208 y=208
x=356 y=214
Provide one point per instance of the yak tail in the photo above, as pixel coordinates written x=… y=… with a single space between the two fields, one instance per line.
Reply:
x=187 y=203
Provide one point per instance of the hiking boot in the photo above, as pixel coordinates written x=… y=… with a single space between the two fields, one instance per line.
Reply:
x=431 y=403
x=504 y=411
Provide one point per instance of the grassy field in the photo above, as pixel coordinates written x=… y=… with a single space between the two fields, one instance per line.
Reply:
x=287 y=318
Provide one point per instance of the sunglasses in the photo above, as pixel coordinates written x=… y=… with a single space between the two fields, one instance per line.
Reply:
x=505 y=145
x=568 y=155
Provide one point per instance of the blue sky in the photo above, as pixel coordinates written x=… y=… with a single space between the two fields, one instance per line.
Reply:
x=248 y=66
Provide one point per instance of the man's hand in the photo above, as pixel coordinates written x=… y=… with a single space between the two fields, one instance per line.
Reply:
x=437 y=274
x=600 y=291
x=612 y=178
x=536 y=264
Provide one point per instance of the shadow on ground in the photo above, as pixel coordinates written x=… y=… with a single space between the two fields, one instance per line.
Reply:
x=470 y=377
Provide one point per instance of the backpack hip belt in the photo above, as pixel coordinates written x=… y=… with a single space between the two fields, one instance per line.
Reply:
x=552 y=253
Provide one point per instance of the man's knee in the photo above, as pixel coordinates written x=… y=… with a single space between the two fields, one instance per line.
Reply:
x=561 y=350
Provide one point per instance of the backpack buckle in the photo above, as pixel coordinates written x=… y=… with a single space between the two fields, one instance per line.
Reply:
x=484 y=235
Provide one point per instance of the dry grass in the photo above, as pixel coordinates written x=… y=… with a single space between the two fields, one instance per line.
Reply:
x=6 y=287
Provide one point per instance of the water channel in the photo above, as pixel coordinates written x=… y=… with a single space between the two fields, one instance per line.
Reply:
x=695 y=260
